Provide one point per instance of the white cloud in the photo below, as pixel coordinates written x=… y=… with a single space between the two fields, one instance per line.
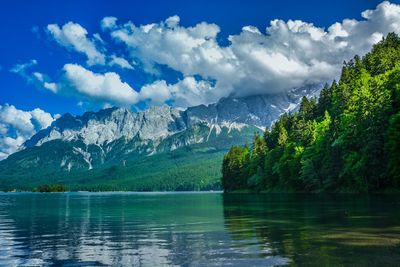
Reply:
x=43 y=119
x=120 y=62
x=16 y=126
x=73 y=36
x=157 y=92
x=185 y=93
x=172 y=21
x=37 y=78
x=286 y=55
x=83 y=84
x=21 y=69
x=43 y=81
x=108 y=23
x=106 y=87
x=50 y=86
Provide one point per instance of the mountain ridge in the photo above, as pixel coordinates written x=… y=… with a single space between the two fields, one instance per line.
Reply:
x=259 y=111
x=80 y=144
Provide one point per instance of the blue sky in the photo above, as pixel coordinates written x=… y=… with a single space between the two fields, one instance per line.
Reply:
x=24 y=37
x=74 y=56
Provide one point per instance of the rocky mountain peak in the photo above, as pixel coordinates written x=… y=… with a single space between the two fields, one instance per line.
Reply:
x=160 y=122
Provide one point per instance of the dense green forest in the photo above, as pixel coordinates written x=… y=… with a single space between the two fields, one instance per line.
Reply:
x=346 y=141
x=47 y=188
x=191 y=168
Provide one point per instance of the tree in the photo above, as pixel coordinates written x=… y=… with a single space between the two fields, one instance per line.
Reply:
x=384 y=55
x=307 y=108
x=325 y=100
x=348 y=140
x=257 y=154
x=234 y=166
x=393 y=150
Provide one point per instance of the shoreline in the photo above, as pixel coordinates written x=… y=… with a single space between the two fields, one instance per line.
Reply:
x=238 y=192
x=115 y=192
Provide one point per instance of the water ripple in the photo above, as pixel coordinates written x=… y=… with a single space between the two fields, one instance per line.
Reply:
x=84 y=229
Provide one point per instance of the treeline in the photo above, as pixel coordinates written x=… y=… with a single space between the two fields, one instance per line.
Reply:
x=346 y=141
x=47 y=188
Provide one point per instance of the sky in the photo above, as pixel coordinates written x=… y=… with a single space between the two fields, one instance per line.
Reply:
x=75 y=56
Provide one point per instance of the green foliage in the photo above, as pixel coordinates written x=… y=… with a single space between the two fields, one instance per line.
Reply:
x=386 y=54
x=234 y=174
x=258 y=154
x=348 y=140
x=191 y=168
x=47 y=188
x=393 y=150
x=181 y=170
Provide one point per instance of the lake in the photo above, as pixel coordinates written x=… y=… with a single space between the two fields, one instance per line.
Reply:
x=198 y=229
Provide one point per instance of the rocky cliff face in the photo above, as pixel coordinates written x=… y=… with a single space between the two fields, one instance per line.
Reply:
x=111 y=134
x=108 y=125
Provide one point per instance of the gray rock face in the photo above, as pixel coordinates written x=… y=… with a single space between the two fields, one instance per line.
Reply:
x=108 y=133
x=108 y=125
x=259 y=110
x=254 y=110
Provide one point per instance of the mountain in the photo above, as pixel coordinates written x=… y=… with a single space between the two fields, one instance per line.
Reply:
x=91 y=151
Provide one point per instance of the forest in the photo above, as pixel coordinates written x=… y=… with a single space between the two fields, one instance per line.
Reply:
x=347 y=140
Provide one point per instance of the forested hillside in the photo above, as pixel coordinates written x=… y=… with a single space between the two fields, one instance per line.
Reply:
x=346 y=141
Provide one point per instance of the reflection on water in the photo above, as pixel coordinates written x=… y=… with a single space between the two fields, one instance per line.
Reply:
x=349 y=230
x=197 y=229
x=121 y=229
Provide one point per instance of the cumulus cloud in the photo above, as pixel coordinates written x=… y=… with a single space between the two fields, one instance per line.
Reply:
x=73 y=36
x=185 y=93
x=108 y=23
x=192 y=50
x=83 y=84
x=172 y=21
x=157 y=92
x=107 y=87
x=16 y=126
x=287 y=54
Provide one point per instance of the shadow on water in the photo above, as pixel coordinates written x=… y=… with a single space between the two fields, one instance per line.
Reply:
x=313 y=230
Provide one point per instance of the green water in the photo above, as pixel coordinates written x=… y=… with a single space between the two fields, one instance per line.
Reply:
x=198 y=229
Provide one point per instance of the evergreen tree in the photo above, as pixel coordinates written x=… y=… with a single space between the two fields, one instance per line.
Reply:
x=234 y=168
x=348 y=140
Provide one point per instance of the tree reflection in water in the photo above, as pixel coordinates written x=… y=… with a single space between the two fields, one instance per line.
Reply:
x=313 y=230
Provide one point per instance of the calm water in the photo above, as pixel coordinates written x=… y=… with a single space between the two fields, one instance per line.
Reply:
x=198 y=229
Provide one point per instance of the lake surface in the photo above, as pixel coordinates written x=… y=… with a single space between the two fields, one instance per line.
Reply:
x=198 y=229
